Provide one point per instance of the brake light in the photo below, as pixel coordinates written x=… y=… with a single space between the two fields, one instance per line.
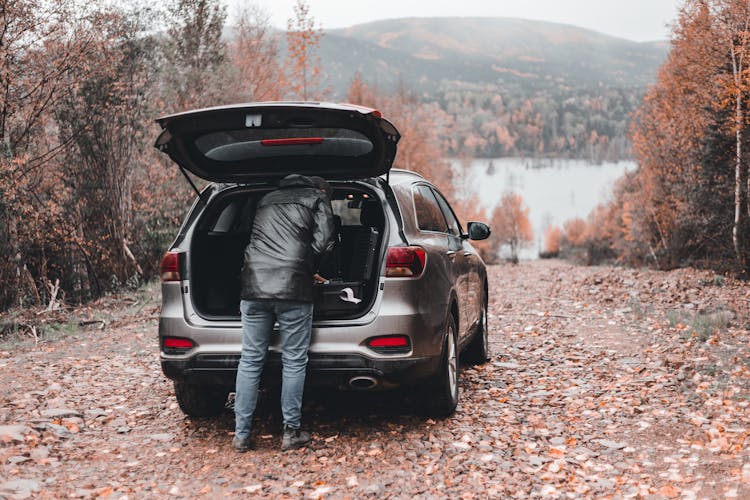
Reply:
x=170 y=267
x=292 y=141
x=393 y=341
x=176 y=345
x=390 y=344
x=405 y=262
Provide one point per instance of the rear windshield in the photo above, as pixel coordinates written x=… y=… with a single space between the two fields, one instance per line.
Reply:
x=254 y=143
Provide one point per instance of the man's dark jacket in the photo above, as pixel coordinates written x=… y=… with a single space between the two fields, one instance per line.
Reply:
x=292 y=226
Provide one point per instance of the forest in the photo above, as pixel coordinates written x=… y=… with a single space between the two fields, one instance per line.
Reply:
x=496 y=121
x=687 y=203
x=87 y=205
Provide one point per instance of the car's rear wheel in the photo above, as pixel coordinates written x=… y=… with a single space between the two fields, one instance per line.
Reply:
x=445 y=397
x=200 y=400
x=478 y=350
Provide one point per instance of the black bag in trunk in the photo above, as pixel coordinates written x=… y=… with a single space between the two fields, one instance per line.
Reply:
x=347 y=292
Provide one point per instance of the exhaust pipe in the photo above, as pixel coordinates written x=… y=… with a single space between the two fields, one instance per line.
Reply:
x=363 y=383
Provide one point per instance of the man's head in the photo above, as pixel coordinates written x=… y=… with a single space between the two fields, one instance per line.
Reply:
x=322 y=184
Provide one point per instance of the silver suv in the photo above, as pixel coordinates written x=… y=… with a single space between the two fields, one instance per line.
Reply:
x=406 y=291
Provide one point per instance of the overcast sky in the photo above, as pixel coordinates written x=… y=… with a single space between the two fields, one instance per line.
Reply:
x=639 y=20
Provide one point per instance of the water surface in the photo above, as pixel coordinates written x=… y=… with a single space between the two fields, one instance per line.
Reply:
x=554 y=190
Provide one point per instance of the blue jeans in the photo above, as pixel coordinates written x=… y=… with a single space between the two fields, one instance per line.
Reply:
x=295 y=327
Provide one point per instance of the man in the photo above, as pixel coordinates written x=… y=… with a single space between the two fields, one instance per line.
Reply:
x=293 y=225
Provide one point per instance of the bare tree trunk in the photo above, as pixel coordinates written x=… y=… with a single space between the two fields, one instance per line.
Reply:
x=739 y=227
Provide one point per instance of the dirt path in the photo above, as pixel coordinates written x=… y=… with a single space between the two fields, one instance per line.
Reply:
x=603 y=382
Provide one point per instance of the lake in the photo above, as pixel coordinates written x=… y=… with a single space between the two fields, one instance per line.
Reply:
x=554 y=190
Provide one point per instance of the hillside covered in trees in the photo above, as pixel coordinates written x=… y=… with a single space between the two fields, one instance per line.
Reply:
x=510 y=87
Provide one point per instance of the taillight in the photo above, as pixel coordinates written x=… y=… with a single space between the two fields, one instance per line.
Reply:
x=170 y=266
x=405 y=262
x=176 y=345
x=390 y=344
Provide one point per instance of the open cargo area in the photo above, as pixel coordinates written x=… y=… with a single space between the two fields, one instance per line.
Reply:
x=351 y=266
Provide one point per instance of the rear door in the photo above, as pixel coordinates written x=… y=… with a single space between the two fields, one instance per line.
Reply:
x=443 y=245
x=468 y=270
x=261 y=142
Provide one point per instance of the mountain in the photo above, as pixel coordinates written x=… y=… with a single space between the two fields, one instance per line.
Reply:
x=427 y=53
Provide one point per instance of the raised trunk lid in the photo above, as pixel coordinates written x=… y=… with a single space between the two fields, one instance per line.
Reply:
x=261 y=142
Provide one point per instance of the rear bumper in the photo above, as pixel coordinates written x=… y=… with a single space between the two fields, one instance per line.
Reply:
x=338 y=348
x=322 y=370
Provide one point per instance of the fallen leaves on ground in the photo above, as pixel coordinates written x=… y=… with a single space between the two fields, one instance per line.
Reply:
x=604 y=381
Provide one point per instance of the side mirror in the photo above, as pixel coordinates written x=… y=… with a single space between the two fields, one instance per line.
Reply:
x=478 y=231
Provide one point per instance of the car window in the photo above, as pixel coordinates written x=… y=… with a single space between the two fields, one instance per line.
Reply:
x=348 y=211
x=454 y=227
x=429 y=216
x=234 y=217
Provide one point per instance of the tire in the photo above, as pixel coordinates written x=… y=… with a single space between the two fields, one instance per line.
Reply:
x=445 y=395
x=478 y=350
x=200 y=400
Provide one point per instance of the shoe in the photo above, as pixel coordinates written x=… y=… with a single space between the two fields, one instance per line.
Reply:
x=242 y=445
x=294 y=439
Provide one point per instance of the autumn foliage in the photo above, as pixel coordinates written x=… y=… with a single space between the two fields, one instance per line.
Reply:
x=553 y=237
x=511 y=226
x=423 y=148
x=86 y=204
x=687 y=203
x=574 y=232
x=303 y=64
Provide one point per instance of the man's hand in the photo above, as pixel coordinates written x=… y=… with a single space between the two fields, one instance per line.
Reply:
x=319 y=279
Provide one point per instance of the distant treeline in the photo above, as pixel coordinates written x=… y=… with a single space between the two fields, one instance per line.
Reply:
x=496 y=121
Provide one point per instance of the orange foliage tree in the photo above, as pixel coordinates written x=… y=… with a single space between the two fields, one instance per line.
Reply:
x=303 y=63
x=688 y=201
x=553 y=237
x=575 y=232
x=511 y=225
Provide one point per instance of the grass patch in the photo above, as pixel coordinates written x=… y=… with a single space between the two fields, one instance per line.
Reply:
x=21 y=325
x=701 y=325
x=718 y=281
